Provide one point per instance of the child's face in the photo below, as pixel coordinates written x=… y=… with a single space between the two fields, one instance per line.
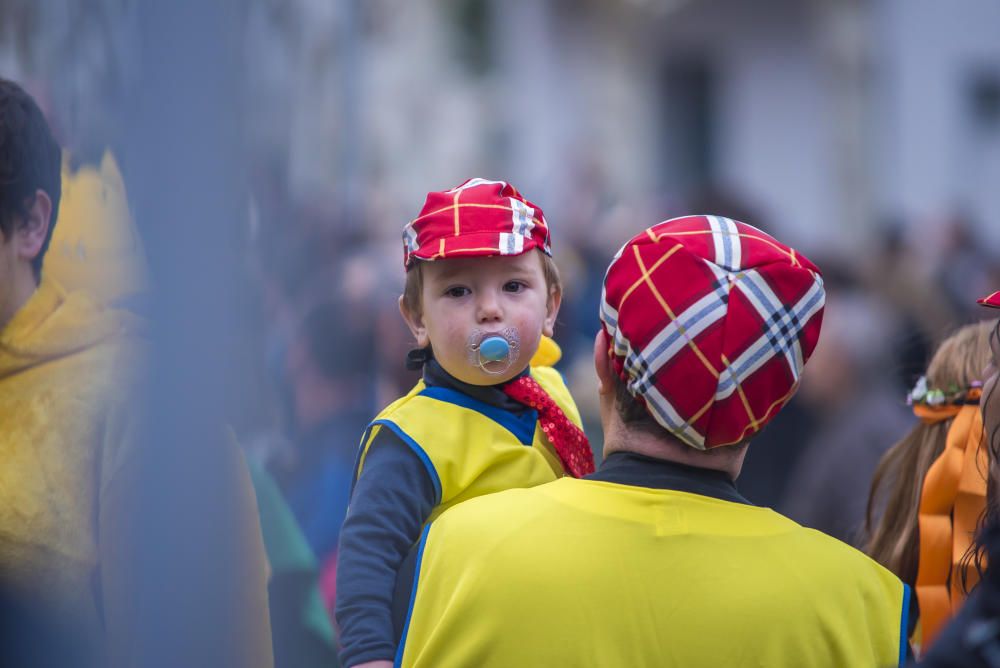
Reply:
x=463 y=296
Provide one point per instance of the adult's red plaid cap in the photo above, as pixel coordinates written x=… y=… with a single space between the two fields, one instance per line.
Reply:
x=478 y=218
x=710 y=322
x=993 y=301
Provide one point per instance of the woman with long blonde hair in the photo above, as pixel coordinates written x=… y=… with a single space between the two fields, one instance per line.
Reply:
x=928 y=495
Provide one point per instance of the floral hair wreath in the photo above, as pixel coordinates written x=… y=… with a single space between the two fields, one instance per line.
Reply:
x=953 y=395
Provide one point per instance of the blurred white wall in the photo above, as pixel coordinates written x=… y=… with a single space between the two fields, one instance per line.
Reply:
x=825 y=115
x=937 y=152
x=774 y=121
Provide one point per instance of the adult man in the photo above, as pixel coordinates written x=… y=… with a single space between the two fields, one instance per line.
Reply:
x=656 y=559
x=69 y=481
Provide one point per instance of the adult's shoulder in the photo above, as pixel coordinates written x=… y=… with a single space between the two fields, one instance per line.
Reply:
x=487 y=518
x=841 y=562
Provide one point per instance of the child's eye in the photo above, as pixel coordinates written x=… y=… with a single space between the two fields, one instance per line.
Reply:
x=513 y=286
x=457 y=291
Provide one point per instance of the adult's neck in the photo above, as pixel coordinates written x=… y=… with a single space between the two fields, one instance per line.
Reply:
x=620 y=438
x=22 y=287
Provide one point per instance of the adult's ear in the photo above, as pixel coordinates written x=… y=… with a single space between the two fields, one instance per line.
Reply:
x=415 y=321
x=603 y=364
x=30 y=235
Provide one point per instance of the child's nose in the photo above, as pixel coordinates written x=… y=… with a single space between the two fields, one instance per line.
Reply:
x=488 y=308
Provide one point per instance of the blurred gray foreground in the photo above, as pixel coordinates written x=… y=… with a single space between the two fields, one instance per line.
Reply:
x=188 y=187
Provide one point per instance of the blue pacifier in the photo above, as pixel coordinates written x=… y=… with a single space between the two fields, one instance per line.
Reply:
x=494 y=352
x=494 y=349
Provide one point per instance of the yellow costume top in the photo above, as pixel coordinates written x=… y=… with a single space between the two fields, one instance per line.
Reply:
x=64 y=363
x=69 y=369
x=470 y=448
x=596 y=573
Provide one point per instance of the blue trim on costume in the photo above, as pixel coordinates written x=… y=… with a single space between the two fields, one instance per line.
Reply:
x=418 y=451
x=522 y=427
x=398 y=661
x=904 y=625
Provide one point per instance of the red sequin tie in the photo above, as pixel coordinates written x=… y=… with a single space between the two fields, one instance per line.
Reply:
x=569 y=441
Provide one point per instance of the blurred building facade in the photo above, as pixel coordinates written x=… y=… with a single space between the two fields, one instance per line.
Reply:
x=823 y=115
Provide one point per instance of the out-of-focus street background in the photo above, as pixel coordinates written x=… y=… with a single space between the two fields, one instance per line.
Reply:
x=865 y=133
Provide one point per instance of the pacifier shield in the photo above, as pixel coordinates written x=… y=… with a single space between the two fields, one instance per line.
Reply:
x=494 y=352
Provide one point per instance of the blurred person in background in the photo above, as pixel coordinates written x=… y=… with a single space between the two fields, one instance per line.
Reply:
x=857 y=413
x=328 y=376
x=972 y=638
x=319 y=314
x=853 y=407
x=932 y=479
x=904 y=279
x=634 y=564
x=71 y=371
x=301 y=629
x=961 y=261
x=66 y=368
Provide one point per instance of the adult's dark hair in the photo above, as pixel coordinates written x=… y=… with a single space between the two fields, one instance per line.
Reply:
x=633 y=412
x=30 y=160
x=636 y=417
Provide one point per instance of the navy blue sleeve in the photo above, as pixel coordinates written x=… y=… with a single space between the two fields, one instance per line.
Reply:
x=391 y=500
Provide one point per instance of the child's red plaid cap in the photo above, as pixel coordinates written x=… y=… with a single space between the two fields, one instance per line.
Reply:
x=476 y=219
x=710 y=322
x=993 y=301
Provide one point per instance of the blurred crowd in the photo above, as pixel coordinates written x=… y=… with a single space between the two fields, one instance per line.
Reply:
x=888 y=307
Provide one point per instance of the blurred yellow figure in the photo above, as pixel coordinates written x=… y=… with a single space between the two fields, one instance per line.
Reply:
x=548 y=353
x=95 y=245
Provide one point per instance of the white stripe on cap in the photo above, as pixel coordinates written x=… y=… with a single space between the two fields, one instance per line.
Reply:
x=609 y=316
x=511 y=244
x=472 y=183
x=668 y=417
x=521 y=217
x=410 y=238
x=728 y=247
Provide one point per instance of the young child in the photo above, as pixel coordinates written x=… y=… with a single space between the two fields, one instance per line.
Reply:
x=481 y=293
x=933 y=483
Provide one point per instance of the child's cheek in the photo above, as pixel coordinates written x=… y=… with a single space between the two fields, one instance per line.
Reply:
x=457 y=333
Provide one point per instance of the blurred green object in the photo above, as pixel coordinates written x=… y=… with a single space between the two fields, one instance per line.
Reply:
x=301 y=630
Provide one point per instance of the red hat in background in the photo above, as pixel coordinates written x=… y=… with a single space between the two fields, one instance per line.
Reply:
x=710 y=323
x=479 y=218
x=993 y=301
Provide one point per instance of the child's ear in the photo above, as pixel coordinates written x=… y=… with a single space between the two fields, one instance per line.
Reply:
x=415 y=321
x=552 y=310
